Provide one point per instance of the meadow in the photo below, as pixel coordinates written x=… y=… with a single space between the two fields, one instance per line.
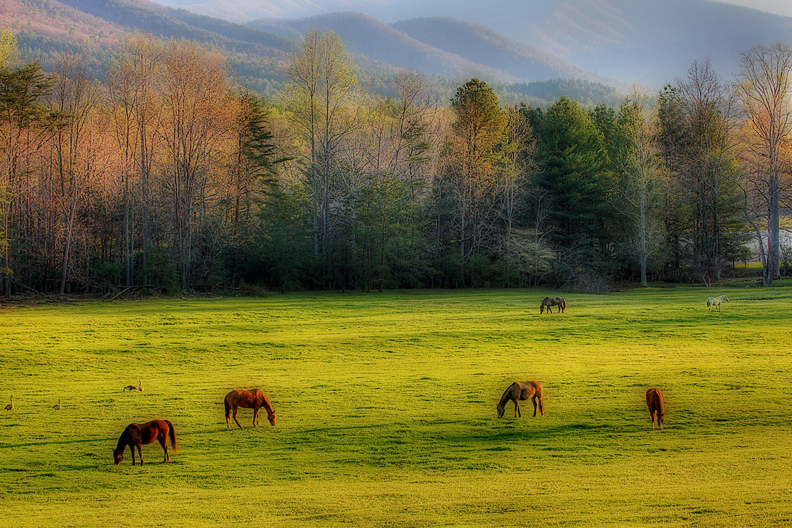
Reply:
x=386 y=410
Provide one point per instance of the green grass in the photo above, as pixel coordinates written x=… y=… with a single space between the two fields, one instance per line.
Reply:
x=386 y=410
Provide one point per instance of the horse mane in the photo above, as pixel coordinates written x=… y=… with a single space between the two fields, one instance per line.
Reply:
x=123 y=441
x=507 y=395
x=265 y=401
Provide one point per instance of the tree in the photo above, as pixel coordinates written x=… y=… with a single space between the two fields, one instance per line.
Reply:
x=133 y=102
x=638 y=183
x=697 y=122
x=321 y=80
x=194 y=92
x=251 y=180
x=573 y=169
x=764 y=89
x=475 y=155
x=75 y=95
x=26 y=124
x=8 y=46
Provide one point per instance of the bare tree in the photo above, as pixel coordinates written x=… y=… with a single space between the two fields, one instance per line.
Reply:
x=132 y=97
x=193 y=88
x=639 y=186
x=75 y=95
x=26 y=125
x=764 y=88
x=321 y=81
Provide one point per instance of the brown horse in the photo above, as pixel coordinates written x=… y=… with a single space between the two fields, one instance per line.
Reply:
x=135 y=435
x=522 y=391
x=247 y=399
x=547 y=302
x=654 y=400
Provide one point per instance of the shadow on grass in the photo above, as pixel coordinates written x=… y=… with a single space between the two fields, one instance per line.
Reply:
x=108 y=439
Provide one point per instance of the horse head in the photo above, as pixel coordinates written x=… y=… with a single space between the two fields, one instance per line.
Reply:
x=271 y=417
x=501 y=410
x=118 y=456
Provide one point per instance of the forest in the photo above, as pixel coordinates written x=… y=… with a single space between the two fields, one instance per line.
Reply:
x=166 y=175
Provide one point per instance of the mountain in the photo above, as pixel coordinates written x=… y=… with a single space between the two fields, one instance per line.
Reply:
x=258 y=52
x=443 y=47
x=96 y=29
x=479 y=44
x=645 y=41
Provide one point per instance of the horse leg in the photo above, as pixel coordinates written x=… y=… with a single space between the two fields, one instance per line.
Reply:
x=140 y=453
x=534 y=402
x=652 y=418
x=235 y=418
x=163 y=442
x=517 y=412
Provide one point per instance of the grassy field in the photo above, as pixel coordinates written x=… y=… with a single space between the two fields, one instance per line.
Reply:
x=386 y=410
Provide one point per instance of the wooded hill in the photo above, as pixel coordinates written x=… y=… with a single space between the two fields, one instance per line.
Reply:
x=644 y=41
x=257 y=53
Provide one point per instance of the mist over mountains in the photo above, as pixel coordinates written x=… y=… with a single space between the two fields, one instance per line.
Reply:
x=646 y=41
x=611 y=42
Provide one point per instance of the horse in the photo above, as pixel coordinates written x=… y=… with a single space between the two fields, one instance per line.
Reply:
x=522 y=391
x=547 y=302
x=253 y=398
x=716 y=302
x=135 y=435
x=654 y=400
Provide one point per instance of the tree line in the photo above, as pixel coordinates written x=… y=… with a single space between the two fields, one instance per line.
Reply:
x=167 y=176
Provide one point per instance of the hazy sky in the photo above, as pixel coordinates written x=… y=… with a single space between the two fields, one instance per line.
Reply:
x=782 y=7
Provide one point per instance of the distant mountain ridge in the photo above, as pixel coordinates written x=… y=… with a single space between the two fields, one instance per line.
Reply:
x=613 y=42
x=93 y=27
x=444 y=47
x=645 y=41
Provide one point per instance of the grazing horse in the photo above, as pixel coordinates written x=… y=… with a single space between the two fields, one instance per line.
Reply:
x=522 y=391
x=247 y=399
x=654 y=400
x=135 y=435
x=547 y=302
x=715 y=302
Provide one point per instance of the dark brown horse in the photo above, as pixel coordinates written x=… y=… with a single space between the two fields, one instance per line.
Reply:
x=135 y=435
x=654 y=400
x=547 y=302
x=248 y=399
x=522 y=391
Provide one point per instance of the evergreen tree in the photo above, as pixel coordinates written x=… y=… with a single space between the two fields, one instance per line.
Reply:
x=573 y=167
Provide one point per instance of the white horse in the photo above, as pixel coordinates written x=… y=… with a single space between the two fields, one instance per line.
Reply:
x=716 y=302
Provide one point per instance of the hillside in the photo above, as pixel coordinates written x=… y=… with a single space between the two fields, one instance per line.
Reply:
x=446 y=47
x=646 y=41
x=480 y=44
x=95 y=29
x=257 y=53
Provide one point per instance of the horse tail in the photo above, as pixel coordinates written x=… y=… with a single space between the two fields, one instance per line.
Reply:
x=227 y=407
x=660 y=403
x=563 y=303
x=172 y=435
